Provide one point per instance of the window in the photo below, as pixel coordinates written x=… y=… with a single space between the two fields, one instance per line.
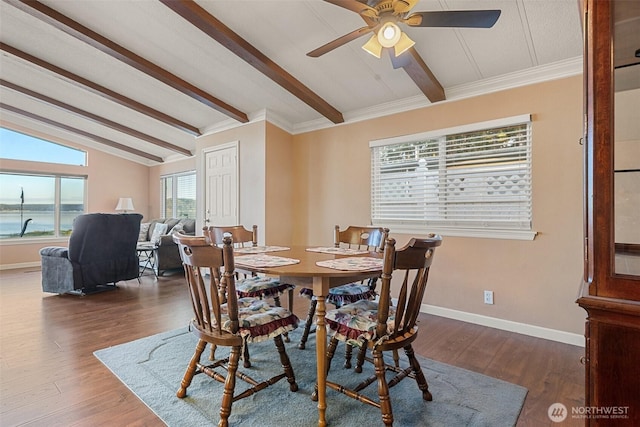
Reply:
x=33 y=206
x=178 y=195
x=472 y=180
x=18 y=146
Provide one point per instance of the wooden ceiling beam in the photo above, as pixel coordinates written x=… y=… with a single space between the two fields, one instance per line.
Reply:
x=103 y=91
x=218 y=31
x=415 y=67
x=96 y=119
x=79 y=31
x=80 y=132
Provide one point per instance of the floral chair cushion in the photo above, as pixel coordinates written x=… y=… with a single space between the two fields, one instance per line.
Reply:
x=344 y=294
x=356 y=323
x=260 y=321
x=258 y=286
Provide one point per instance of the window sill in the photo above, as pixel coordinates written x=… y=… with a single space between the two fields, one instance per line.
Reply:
x=462 y=232
x=54 y=241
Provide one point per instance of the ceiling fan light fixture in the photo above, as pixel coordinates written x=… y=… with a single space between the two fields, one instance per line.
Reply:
x=373 y=47
x=389 y=34
x=404 y=44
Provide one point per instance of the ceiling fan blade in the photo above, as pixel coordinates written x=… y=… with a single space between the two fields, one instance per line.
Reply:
x=454 y=18
x=403 y=6
x=421 y=75
x=339 y=42
x=355 y=6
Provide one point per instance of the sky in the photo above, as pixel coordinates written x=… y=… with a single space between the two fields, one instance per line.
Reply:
x=14 y=145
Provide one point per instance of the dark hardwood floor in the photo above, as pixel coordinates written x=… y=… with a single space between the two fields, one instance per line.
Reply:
x=49 y=376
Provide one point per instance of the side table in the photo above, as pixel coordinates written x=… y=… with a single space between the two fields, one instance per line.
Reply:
x=147 y=258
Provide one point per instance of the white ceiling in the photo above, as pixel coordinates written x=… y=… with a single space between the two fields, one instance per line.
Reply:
x=533 y=40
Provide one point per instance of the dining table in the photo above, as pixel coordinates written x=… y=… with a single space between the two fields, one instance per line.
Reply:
x=317 y=268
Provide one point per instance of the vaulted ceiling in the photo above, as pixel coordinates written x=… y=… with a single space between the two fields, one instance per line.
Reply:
x=143 y=78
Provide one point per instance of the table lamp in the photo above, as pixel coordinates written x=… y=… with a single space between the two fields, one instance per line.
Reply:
x=125 y=204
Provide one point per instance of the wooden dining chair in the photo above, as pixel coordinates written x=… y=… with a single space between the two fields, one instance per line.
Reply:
x=248 y=285
x=354 y=237
x=384 y=327
x=231 y=324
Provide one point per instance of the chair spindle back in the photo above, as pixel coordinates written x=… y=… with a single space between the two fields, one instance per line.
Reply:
x=370 y=238
x=414 y=260
x=199 y=257
x=241 y=236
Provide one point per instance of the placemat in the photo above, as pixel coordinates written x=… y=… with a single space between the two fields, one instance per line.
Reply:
x=260 y=249
x=353 y=264
x=262 y=260
x=338 y=251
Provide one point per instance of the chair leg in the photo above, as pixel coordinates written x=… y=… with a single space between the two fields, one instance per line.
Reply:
x=245 y=355
x=307 y=325
x=212 y=355
x=229 y=386
x=331 y=351
x=419 y=375
x=191 y=369
x=361 y=355
x=383 y=388
x=396 y=358
x=286 y=363
x=347 y=356
x=291 y=300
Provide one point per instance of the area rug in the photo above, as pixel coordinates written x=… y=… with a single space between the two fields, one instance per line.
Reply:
x=152 y=368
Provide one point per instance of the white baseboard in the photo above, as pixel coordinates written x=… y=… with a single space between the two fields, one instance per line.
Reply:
x=506 y=325
x=20 y=265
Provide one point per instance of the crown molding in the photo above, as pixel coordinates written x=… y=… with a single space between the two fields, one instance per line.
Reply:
x=257 y=116
x=543 y=73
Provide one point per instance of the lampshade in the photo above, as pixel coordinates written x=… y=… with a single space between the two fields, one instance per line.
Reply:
x=403 y=44
x=373 y=46
x=124 y=204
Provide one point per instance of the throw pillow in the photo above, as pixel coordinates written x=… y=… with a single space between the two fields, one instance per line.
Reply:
x=158 y=231
x=144 y=231
x=178 y=228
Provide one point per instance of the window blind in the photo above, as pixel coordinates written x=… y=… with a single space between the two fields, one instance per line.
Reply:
x=186 y=196
x=477 y=178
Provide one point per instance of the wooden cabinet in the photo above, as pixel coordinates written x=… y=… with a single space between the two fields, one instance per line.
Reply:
x=611 y=290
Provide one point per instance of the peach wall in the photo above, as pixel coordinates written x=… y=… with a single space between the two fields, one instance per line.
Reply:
x=108 y=178
x=535 y=282
x=279 y=184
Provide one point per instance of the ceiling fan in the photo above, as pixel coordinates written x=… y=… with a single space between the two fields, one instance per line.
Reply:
x=382 y=18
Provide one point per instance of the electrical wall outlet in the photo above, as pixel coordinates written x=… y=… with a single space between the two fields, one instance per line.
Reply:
x=488 y=297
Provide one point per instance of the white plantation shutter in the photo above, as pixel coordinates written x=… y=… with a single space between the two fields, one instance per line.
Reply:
x=472 y=177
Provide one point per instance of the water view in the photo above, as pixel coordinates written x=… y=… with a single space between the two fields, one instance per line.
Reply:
x=42 y=223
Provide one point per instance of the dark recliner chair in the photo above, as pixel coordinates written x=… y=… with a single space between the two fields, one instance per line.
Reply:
x=102 y=251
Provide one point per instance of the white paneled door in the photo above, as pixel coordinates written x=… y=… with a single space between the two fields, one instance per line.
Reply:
x=221 y=192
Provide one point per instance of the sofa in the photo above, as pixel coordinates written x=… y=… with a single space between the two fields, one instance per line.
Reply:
x=101 y=252
x=159 y=234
